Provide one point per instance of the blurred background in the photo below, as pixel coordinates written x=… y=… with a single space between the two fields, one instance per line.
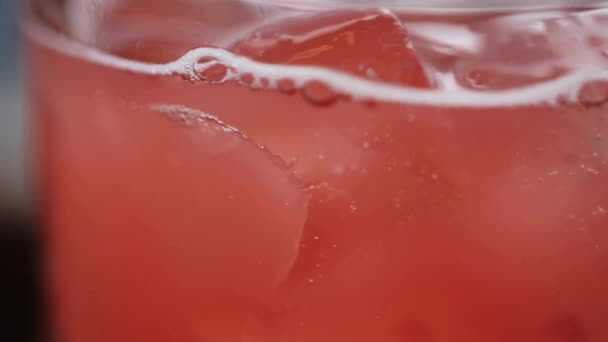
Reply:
x=19 y=295
x=12 y=194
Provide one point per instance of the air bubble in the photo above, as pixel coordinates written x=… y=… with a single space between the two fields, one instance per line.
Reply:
x=594 y=94
x=247 y=78
x=319 y=93
x=344 y=84
x=286 y=86
x=189 y=77
x=213 y=72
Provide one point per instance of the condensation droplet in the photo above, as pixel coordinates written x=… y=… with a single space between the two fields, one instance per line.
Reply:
x=319 y=93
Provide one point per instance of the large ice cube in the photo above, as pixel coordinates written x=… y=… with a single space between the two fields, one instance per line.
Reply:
x=371 y=44
x=168 y=209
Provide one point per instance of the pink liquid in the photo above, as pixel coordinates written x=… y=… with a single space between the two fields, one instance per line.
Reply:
x=210 y=211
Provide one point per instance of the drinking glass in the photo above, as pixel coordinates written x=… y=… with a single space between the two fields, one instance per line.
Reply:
x=322 y=171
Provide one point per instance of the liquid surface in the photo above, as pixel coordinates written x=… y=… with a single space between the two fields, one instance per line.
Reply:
x=239 y=172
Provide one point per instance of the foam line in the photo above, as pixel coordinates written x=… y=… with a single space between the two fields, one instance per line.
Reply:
x=567 y=86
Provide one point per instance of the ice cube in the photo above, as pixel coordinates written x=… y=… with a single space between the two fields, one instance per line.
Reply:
x=470 y=225
x=371 y=44
x=178 y=208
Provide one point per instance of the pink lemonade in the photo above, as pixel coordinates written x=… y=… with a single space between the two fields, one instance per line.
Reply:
x=303 y=171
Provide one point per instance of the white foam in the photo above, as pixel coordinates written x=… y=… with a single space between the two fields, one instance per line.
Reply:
x=566 y=87
x=456 y=37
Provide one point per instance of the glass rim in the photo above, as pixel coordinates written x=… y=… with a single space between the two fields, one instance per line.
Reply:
x=39 y=31
x=440 y=5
